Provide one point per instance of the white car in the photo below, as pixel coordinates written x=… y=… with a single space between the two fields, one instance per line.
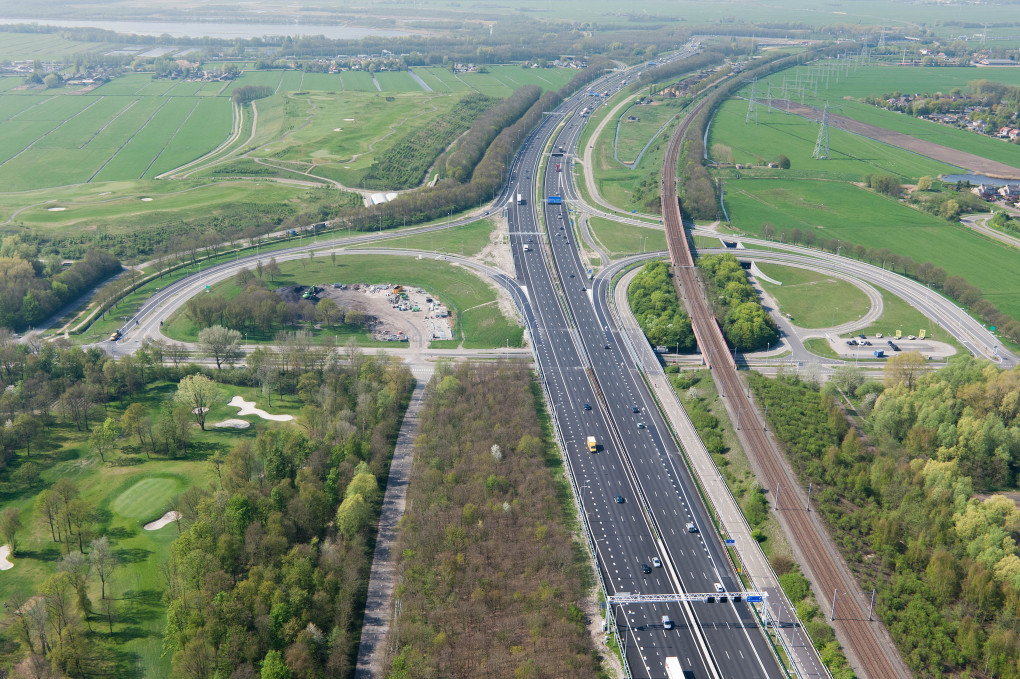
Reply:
x=656 y=562
x=719 y=588
x=878 y=335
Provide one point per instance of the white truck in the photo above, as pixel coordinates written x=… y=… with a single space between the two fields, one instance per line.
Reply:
x=520 y=199
x=673 y=669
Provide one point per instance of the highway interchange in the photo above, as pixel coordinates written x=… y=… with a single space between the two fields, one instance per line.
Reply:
x=581 y=360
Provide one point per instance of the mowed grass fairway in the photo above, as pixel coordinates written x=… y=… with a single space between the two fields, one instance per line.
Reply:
x=856 y=215
x=146 y=498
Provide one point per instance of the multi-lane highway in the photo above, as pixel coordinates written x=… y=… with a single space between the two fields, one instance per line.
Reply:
x=594 y=392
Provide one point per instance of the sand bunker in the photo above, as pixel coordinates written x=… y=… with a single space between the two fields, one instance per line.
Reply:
x=146 y=199
x=348 y=120
x=338 y=129
x=248 y=408
x=233 y=424
x=5 y=563
x=55 y=209
x=169 y=517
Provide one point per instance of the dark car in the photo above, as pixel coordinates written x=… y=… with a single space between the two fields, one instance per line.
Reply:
x=619 y=499
x=646 y=569
x=635 y=409
x=587 y=406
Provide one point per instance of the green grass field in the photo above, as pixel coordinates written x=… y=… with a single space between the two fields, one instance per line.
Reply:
x=480 y=323
x=840 y=210
x=625 y=239
x=880 y=79
x=633 y=135
x=14 y=46
x=813 y=299
x=732 y=140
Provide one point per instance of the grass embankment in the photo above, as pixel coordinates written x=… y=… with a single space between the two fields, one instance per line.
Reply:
x=466 y=240
x=479 y=322
x=482 y=494
x=626 y=239
x=813 y=299
x=637 y=188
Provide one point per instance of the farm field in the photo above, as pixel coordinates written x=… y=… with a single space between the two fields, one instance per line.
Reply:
x=880 y=79
x=16 y=46
x=845 y=211
x=814 y=300
x=731 y=140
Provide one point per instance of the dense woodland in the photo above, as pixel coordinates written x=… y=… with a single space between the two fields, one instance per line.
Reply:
x=31 y=290
x=490 y=574
x=908 y=493
x=653 y=299
x=272 y=569
x=745 y=324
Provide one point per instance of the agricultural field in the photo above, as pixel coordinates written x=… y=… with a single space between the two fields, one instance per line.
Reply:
x=43 y=46
x=731 y=140
x=856 y=215
x=814 y=300
x=879 y=79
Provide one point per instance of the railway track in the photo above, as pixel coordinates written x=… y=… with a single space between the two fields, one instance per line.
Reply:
x=868 y=644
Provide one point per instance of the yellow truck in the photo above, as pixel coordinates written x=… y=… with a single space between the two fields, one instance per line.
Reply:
x=592 y=445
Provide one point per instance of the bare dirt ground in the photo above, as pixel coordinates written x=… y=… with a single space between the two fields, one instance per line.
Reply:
x=945 y=154
x=418 y=326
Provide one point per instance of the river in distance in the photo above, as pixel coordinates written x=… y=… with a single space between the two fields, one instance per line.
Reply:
x=214 y=29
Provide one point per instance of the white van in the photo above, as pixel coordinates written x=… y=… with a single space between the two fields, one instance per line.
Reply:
x=666 y=622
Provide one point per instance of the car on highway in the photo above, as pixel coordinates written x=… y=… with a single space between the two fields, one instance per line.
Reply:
x=640 y=425
x=635 y=409
x=719 y=587
x=587 y=406
x=656 y=562
x=896 y=347
x=911 y=337
x=619 y=499
x=646 y=569
x=666 y=622
x=691 y=528
x=878 y=335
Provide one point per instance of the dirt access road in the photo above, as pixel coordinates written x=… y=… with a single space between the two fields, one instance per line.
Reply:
x=968 y=161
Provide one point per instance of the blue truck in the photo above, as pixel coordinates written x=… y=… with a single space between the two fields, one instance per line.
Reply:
x=556 y=200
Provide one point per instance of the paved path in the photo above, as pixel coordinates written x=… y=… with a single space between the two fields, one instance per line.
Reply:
x=752 y=560
x=979 y=223
x=379 y=603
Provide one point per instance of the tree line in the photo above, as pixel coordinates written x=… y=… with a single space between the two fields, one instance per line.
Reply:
x=403 y=165
x=908 y=493
x=249 y=93
x=745 y=324
x=483 y=496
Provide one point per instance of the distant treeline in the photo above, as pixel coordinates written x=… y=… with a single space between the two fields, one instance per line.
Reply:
x=249 y=93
